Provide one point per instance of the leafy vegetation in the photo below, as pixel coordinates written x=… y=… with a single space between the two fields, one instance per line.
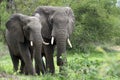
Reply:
x=97 y=24
x=97 y=21
x=99 y=65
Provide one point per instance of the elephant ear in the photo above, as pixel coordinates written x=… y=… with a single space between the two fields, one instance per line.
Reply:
x=45 y=18
x=50 y=18
x=8 y=26
x=71 y=19
x=14 y=26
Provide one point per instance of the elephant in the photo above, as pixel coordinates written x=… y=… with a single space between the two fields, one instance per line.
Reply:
x=58 y=25
x=24 y=40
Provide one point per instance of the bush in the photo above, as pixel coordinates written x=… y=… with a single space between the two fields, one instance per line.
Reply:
x=96 y=23
x=3 y=18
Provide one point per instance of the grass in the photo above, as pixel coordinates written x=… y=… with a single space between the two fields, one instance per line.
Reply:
x=98 y=65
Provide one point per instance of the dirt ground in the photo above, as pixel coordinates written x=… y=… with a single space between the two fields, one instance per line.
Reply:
x=6 y=76
x=116 y=48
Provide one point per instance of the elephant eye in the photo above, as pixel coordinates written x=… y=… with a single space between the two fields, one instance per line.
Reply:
x=28 y=21
x=26 y=28
x=52 y=20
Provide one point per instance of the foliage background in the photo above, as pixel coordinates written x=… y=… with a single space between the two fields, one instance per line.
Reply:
x=97 y=21
x=97 y=26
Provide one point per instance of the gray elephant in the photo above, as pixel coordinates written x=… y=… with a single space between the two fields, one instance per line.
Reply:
x=58 y=23
x=24 y=40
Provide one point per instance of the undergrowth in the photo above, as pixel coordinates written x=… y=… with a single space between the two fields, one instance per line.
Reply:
x=99 y=65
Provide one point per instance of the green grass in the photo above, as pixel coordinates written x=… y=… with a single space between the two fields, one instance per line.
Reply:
x=98 y=65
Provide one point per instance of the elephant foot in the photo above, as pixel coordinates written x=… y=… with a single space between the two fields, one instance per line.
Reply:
x=59 y=62
x=32 y=72
x=62 y=63
x=29 y=72
x=50 y=71
x=39 y=72
x=21 y=72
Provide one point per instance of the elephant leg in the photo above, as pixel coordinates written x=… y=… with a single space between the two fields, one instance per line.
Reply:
x=39 y=64
x=49 y=50
x=15 y=60
x=44 y=62
x=37 y=69
x=31 y=52
x=25 y=54
x=22 y=66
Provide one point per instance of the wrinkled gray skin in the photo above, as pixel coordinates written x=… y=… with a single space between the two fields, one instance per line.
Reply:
x=57 y=22
x=21 y=29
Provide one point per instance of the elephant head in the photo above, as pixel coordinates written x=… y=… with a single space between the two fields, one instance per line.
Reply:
x=62 y=22
x=57 y=25
x=25 y=27
x=27 y=30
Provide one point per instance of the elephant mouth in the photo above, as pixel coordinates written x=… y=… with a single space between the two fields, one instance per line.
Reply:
x=68 y=41
x=45 y=43
x=31 y=43
x=52 y=40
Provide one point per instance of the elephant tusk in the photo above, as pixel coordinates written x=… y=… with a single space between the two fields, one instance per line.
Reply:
x=31 y=43
x=45 y=43
x=52 y=40
x=68 y=40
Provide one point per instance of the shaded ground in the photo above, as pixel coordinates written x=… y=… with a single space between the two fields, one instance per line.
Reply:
x=3 y=49
x=77 y=64
x=6 y=76
x=116 y=48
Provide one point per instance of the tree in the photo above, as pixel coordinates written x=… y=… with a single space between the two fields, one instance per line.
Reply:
x=95 y=23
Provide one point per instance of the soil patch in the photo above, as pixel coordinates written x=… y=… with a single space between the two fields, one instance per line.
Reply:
x=6 y=76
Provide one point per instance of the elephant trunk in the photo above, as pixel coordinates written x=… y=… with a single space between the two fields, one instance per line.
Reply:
x=61 y=48
x=39 y=65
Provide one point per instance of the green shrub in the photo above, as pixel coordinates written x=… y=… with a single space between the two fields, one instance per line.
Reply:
x=3 y=18
x=97 y=23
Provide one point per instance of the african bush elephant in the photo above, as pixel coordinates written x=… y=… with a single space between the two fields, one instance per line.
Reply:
x=24 y=40
x=58 y=23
